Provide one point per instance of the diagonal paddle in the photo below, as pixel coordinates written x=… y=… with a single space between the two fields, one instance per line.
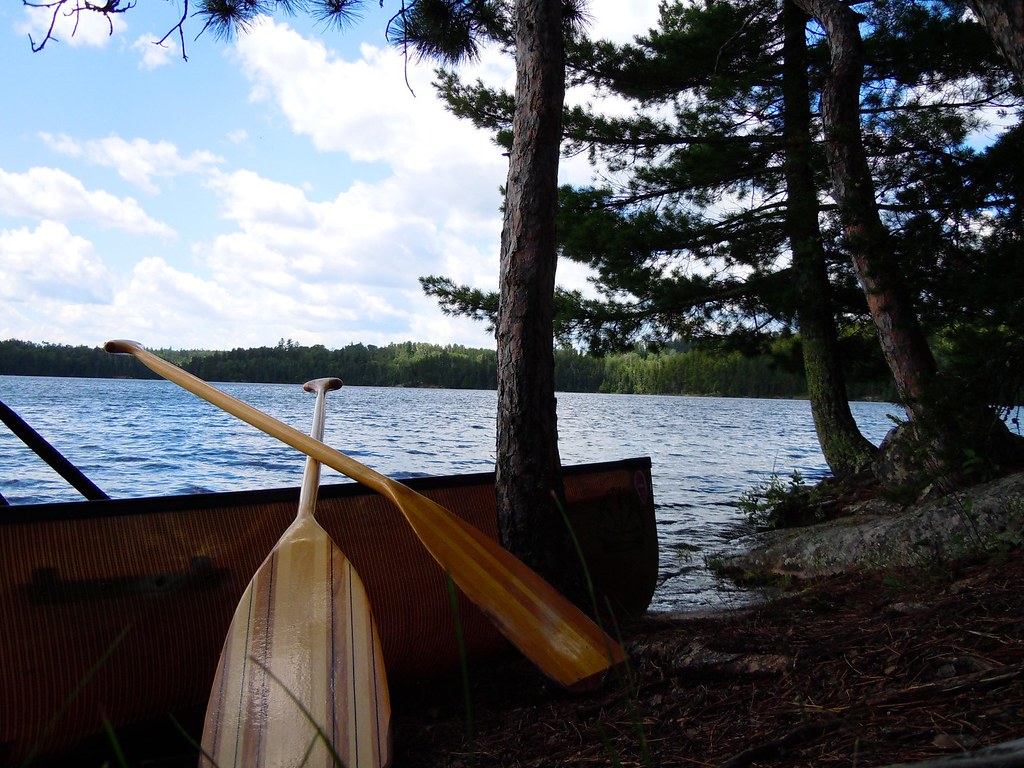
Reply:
x=301 y=678
x=549 y=630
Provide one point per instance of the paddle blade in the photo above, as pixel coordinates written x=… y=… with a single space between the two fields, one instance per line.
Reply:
x=553 y=633
x=301 y=678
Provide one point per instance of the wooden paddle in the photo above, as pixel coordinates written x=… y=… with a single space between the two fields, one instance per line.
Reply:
x=50 y=455
x=301 y=678
x=549 y=630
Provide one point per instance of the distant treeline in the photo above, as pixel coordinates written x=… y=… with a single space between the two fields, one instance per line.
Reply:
x=409 y=364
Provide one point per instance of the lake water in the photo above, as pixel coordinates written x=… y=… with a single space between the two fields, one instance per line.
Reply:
x=142 y=438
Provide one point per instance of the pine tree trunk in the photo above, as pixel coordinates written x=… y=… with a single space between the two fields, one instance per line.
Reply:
x=527 y=463
x=1004 y=21
x=846 y=450
x=903 y=342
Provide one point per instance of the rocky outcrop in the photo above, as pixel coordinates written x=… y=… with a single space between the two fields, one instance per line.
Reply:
x=878 y=534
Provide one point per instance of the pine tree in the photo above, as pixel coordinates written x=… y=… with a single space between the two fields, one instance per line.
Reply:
x=716 y=230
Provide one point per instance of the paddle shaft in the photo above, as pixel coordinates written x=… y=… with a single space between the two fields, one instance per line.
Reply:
x=552 y=632
x=311 y=474
x=256 y=418
x=50 y=455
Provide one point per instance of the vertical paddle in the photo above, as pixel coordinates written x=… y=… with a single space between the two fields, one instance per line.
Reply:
x=549 y=630
x=301 y=678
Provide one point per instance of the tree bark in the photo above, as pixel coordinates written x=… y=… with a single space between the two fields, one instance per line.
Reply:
x=902 y=339
x=527 y=463
x=1004 y=21
x=846 y=450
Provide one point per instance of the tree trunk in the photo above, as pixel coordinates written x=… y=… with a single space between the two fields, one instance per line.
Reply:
x=903 y=342
x=846 y=450
x=1004 y=21
x=527 y=464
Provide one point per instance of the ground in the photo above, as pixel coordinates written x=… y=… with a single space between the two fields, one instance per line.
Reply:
x=863 y=670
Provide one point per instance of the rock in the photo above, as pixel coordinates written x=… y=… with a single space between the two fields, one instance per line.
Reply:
x=985 y=517
x=909 y=461
x=897 y=463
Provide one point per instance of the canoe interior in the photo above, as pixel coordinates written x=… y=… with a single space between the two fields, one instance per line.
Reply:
x=150 y=585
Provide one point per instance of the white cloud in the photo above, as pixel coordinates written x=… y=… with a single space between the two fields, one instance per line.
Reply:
x=364 y=107
x=63 y=144
x=55 y=194
x=138 y=161
x=257 y=202
x=51 y=264
x=160 y=305
x=154 y=54
x=342 y=269
x=621 y=20
x=154 y=303
x=368 y=239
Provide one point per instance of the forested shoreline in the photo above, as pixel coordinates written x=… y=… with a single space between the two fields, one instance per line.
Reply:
x=690 y=371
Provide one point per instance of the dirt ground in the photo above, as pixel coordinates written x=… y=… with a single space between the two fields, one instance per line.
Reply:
x=857 y=670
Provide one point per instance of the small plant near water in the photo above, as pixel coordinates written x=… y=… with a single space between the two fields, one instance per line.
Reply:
x=777 y=503
x=750 y=578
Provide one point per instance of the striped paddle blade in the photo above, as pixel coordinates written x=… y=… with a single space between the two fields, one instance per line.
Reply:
x=301 y=678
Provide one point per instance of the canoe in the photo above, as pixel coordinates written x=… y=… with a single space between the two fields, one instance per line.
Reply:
x=119 y=608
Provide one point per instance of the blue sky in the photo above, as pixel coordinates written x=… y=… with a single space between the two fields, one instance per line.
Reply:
x=283 y=185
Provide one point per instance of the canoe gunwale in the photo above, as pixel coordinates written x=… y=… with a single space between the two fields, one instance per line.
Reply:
x=190 y=503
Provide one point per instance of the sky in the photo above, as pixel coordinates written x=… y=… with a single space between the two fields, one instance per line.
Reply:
x=293 y=183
